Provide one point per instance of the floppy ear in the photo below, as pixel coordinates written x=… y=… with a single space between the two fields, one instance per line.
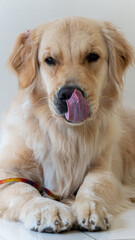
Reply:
x=120 y=52
x=23 y=59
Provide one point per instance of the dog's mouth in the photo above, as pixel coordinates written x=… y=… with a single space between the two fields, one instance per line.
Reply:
x=70 y=103
x=77 y=108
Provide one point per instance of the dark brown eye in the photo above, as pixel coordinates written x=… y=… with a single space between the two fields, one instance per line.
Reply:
x=50 y=61
x=92 y=57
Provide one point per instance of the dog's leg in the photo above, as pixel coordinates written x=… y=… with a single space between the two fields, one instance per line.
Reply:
x=22 y=202
x=99 y=197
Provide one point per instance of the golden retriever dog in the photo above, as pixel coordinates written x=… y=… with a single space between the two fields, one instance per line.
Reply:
x=66 y=129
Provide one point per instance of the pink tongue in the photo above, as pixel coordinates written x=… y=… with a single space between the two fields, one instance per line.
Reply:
x=78 y=108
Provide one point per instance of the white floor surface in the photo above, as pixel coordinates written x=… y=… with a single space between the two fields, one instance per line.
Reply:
x=123 y=228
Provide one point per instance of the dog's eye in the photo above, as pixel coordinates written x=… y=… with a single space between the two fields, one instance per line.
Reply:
x=50 y=61
x=92 y=57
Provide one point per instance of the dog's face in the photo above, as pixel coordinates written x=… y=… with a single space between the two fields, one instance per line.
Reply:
x=73 y=55
x=79 y=64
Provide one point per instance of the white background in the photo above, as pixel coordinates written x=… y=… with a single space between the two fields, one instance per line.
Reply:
x=17 y=16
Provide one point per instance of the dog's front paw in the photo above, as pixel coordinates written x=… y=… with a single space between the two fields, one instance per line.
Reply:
x=46 y=215
x=91 y=215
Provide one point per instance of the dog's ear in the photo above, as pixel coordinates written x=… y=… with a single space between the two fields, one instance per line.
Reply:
x=120 y=52
x=23 y=59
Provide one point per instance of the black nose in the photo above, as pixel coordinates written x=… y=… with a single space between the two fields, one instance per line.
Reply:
x=62 y=95
x=65 y=93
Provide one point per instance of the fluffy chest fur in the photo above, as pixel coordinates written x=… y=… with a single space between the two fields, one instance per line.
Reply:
x=66 y=154
x=64 y=160
x=65 y=166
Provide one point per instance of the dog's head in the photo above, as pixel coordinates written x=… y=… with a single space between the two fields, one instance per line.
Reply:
x=76 y=65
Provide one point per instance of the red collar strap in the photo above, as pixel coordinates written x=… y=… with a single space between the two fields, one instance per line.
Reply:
x=37 y=186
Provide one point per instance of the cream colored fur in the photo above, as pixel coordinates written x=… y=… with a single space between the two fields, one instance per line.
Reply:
x=94 y=159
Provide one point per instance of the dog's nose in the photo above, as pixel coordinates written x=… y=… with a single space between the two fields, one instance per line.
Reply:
x=66 y=92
